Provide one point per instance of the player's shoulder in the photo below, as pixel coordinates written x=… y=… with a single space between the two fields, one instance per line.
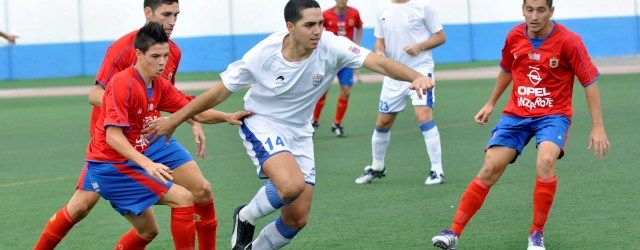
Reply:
x=352 y=10
x=564 y=33
x=123 y=77
x=517 y=31
x=125 y=41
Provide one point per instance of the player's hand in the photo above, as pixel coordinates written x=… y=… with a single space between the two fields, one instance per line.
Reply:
x=421 y=85
x=198 y=136
x=156 y=128
x=599 y=142
x=159 y=171
x=483 y=115
x=412 y=50
x=236 y=118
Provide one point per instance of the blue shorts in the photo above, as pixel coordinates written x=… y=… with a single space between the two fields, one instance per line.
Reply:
x=126 y=185
x=172 y=155
x=515 y=132
x=345 y=77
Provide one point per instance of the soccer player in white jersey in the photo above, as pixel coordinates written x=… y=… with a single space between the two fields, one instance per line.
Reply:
x=406 y=31
x=288 y=71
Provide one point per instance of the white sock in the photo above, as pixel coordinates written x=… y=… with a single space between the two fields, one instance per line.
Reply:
x=432 y=141
x=379 y=144
x=275 y=235
x=266 y=201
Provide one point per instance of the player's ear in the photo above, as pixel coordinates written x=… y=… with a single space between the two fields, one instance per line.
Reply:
x=290 y=26
x=148 y=13
x=139 y=53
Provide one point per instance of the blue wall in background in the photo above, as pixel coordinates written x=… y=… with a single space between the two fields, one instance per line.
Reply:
x=604 y=37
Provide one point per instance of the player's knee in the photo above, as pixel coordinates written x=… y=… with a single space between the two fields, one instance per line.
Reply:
x=78 y=211
x=202 y=192
x=546 y=166
x=490 y=173
x=299 y=223
x=183 y=197
x=149 y=233
x=291 y=189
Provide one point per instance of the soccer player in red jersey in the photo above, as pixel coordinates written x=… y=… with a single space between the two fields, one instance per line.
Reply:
x=541 y=58
x=120 y=55
x=342 y=20
x=122 y=165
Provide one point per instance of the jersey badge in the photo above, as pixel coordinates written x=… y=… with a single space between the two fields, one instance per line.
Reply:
x=352 y=22
x=317 y=78
x=553 y=62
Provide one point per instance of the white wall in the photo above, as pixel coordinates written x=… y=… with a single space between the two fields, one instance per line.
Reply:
x=63 y=21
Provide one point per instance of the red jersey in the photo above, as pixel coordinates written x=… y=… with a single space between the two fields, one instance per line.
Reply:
x=342 y=25
x=128 y=103
x=543 y=76
x=120 y=55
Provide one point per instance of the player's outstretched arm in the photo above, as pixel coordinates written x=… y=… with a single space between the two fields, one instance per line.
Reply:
x=598 y=138
x=209 y=99
x=502 y=82
x=212 y=116
x=399 y=71
x=117 y=141
x=95 y=95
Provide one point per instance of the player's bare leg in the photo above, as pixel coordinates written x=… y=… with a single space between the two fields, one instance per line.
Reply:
x=190 y=176
x=544 y=191
x=182 y=224
x=379 y=144
x=286 y=185
x=293 y=218
x=496 y=160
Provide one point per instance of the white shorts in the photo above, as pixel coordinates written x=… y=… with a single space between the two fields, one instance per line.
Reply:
x=263 y=137
x=394 y=92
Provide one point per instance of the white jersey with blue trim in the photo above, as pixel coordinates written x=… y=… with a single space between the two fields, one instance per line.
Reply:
x=405 y=24
x=288 y=91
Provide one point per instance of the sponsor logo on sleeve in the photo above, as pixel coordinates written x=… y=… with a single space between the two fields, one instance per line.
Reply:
x=354 y=49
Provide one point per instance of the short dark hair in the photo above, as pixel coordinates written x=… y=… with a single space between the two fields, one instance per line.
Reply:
x=150 y=34
x=549 y=3
x=154 y=4
x=294 y=7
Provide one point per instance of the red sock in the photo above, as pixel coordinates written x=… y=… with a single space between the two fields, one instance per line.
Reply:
x=341 y=108
x=471 y=201
x=58 y=226
x=318 y=109
x=206 y=224
x=132 y=241
x=183 y=228
x=543 y=195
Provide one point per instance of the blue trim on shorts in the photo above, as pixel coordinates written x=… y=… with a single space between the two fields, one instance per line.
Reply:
x=284 y=230
x=261 y=153
x=430 y=93
x=427 y=126
x=345 y=77
x=272 y=194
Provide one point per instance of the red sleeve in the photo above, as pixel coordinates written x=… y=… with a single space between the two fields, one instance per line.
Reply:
x=359 y=22
x=172 y=99
x=507 y=56
x=115 y=102
x=580 y=61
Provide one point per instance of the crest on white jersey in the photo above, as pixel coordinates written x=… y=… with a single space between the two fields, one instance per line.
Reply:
x=317 y=78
